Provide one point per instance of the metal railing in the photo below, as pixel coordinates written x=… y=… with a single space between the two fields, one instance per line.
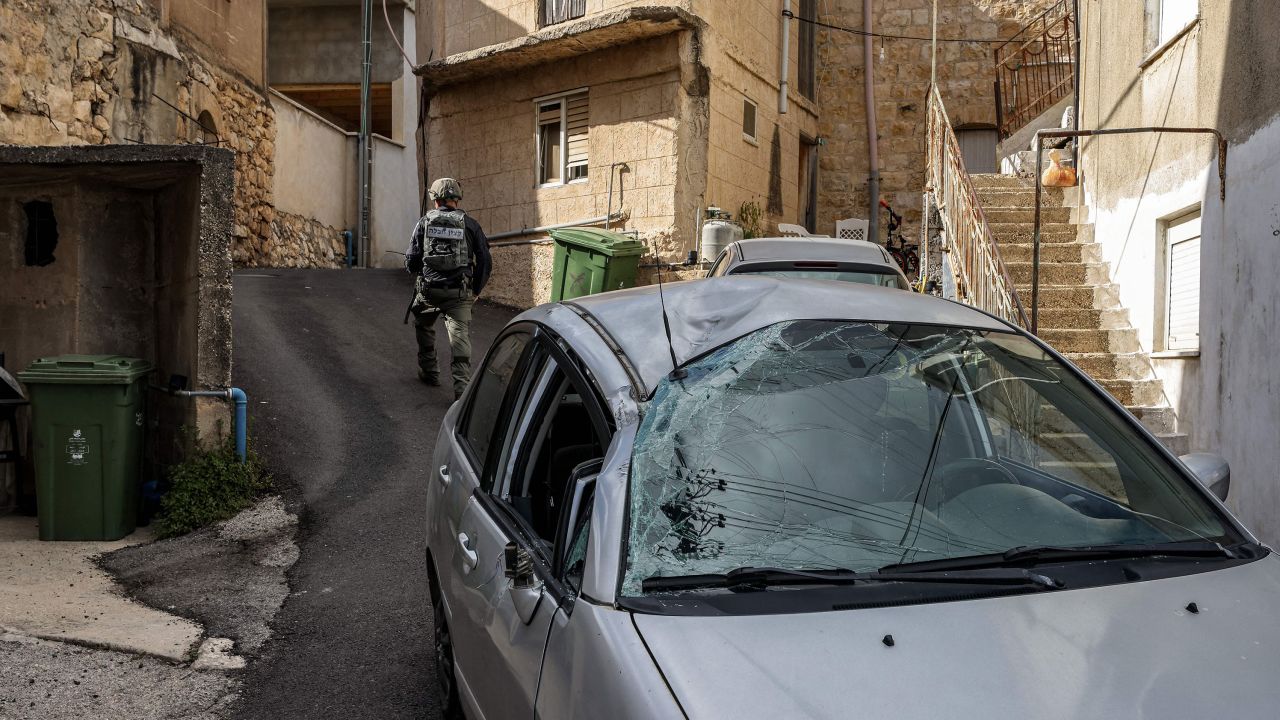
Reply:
x=1035 y=68
x=980 y=276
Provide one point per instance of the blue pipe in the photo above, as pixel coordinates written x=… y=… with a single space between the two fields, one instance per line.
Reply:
x=235 y=395
x=241 y=400
x=350 y=258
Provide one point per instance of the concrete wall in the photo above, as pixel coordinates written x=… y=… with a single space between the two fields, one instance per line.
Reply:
x=1219 y=74
x=142 y=265
x=232 y=31
x=321 y=44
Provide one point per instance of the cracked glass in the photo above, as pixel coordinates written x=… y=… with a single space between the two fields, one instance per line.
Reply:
x=852 y=445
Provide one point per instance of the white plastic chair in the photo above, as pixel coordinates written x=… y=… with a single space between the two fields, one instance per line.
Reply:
x=789 y=230
x=851 y=229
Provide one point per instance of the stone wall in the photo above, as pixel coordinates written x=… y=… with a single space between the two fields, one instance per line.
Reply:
x=902 y=67
x=299 y=241
x=79 y=72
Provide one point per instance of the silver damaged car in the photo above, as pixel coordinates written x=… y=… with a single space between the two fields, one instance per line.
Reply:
x=827 y=500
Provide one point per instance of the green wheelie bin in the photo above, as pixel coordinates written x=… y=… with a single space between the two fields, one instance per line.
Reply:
x=590 y=261
x=88 y=422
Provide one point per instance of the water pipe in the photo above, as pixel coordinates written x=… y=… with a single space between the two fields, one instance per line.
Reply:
x=241 y=424
x=347 y=234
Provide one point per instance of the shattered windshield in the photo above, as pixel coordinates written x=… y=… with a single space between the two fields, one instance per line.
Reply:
x=850 y=445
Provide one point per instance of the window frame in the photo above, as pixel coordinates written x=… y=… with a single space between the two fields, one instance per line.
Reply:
x=751 y=137
x=545 y=347
x=484 y=468
x=1165 y=347
x=1155 y=42
x=543 y=21
x=563 y=99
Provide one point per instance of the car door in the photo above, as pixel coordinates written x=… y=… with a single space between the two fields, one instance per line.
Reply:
x=501 y=625
x=467 y=465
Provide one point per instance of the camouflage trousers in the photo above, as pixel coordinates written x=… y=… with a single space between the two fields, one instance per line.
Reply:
x=455 y=305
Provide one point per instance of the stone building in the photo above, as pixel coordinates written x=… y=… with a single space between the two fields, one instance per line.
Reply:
x=541 y=106
x=78 y=72
x=902 y=67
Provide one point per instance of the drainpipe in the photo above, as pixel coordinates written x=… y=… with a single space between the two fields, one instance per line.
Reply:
x=785 y=83
x=609 y=208
x=346 y=234
x=873 y=179
x=364 y=152
x=235 y=395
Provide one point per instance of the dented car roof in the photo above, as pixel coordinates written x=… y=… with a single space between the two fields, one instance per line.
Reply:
x=705 y=314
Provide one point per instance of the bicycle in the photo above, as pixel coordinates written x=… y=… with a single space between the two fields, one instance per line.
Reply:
x=904 y=253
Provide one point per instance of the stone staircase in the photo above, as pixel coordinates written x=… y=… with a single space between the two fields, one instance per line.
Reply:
x=1080 y=312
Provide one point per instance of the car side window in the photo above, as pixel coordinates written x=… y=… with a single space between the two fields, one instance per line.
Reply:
x=721 y=263
x=559 y=436
x=575 y=554
x=493 y=388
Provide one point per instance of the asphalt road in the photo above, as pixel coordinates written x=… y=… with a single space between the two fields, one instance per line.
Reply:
x=338 y=413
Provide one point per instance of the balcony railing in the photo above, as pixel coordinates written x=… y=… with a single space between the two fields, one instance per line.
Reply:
x=980 y=276
x=1035 y=68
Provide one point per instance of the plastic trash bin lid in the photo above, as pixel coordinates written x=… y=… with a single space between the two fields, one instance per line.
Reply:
x=85 y=370
x=605 y=242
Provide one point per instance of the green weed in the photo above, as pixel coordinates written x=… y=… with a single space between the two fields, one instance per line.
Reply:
x=209 y=486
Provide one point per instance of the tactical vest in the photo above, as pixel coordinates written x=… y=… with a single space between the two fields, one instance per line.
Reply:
x=444 y=240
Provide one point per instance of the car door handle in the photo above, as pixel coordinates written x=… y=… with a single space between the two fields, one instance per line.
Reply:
x=443 y=475
x=469 y=557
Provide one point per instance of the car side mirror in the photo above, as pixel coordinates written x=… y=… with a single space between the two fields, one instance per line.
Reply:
x=526 y=589
x=1211 y=470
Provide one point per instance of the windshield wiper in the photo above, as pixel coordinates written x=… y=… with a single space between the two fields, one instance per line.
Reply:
x=758 y=578
x=1034 y=554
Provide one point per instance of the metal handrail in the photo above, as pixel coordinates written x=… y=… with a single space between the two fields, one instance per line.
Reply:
x=1035 y=68
x=980 y=275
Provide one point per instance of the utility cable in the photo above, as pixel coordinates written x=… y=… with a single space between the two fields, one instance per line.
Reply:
x=387 y=16
x=852 y=31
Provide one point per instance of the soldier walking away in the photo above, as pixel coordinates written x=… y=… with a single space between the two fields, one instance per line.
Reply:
x=449 y=255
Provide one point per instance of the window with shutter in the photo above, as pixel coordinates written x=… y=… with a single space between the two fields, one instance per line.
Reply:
x=1182 y=284
x=577 y=137
x=563 y=128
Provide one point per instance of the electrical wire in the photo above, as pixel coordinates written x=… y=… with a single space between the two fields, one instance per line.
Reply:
x=387 y=16
x=887 y=36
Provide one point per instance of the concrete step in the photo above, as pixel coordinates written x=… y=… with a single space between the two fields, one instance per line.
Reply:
x=1069 y=273
x=1021 y=197
x=1016 y=233
x=1178 y=443
x=1159 y=419
x=1083 y=319
x=1003 y=182
x=1025 y=215
x=1139 y=393
x=1111 y=365
x=1070 y=296
x=1092 y=341
x=1051 y=252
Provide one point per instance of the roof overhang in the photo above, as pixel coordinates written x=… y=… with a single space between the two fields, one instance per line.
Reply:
x=558 y=42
